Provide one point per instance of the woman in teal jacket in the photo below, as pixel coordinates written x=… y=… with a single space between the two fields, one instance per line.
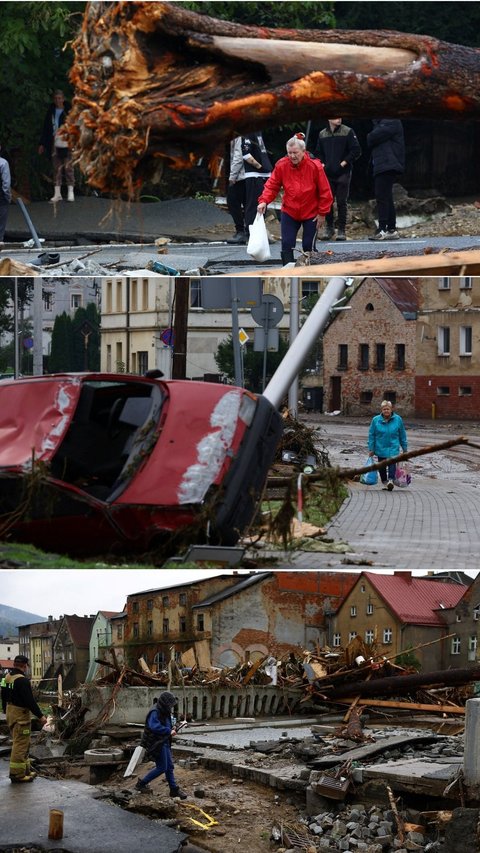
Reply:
x=385 y=438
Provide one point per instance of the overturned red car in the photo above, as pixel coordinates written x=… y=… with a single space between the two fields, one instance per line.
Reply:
x=98 y=464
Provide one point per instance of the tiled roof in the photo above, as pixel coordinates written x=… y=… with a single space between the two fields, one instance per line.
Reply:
x=402 y=291
x=80 y=628
x=414 y=600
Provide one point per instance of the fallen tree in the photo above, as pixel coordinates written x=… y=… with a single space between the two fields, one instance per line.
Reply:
x=399 y=684
x=155 y=83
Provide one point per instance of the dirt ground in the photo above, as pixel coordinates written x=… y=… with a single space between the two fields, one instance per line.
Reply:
x=463 y=221
x=244 y=812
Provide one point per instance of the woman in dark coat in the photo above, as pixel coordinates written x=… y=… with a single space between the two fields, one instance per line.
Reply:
x=387 y=146
x=156 y=739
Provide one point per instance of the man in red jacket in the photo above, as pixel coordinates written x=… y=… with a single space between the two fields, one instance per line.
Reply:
x=307 y=196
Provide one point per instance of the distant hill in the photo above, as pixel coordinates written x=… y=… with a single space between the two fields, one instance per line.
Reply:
x=11 y=618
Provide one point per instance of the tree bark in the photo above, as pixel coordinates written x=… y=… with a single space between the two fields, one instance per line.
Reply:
x=155 y=83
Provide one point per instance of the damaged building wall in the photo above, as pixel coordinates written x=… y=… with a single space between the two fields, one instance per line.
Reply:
x=285 y=611
x=158 y=619
x=448 y=348
x=369 y=352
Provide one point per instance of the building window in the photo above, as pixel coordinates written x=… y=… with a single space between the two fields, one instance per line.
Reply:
x=135 y=607
x=135 y=630
x=443 y=391
x=182 y=599
x=390 y=395
x=362 y=588
x=366 y=397
x=465 y=391
x=400 y=356
x=119 y=632
x=165 y=627
x=150 y=604
x=353 y=610
x=75 y=301
x=352 y=636
x=342 y=357
x=369 y=609
x=142 y=361
x=47 y=301
x=195 y=293
x=159 y=660
x=369 y=637
x=387 y=635
x=456 y=642
x=369 y=307
x=380 y=357
x=443 y=340
x=145 y=294
x=472 y=647
x=200 y=622
x=465 y=340
x=476 y=612
x=458 y=618
x=364 y=357
x=337 y=640
x=444 y=283
x=466 y=283
x=165 y=601
x=309 y=288
x=183 y=624
x=149 y=628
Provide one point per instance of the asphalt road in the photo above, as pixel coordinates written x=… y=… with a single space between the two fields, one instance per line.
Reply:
x=120 y=236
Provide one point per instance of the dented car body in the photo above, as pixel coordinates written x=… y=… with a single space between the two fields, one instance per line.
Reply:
x=100 y=463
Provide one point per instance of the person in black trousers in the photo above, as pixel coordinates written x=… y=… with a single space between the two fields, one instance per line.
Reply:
x=387 y=145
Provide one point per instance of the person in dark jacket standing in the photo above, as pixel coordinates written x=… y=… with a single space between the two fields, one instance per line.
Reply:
x=5 y=195
x=156 y=739
x=337 y=148
x=387 y=145
x=385 y=437
x=258 y=168
x=19 y=704
x=54 y=145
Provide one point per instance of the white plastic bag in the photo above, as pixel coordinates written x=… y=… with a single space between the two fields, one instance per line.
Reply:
x=258 y=245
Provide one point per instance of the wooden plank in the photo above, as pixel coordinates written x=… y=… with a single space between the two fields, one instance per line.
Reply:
x=442 y=263
x=188 y=659
x=406 y=706
x=202 y=653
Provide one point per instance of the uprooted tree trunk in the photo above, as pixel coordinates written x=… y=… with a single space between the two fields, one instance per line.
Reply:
x=156 y=83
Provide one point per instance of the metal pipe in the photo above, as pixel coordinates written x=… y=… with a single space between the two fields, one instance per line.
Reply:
x=294 y=327
x=29 y=222
x=311 y=329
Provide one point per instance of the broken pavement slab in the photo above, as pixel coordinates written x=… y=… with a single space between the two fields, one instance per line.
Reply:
x=417 y=776
x=89 y=824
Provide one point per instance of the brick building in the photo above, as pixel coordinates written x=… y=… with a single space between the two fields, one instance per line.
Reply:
x=369 y=351
x=447 y=383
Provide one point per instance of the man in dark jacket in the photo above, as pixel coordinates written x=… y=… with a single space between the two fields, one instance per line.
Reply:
x=337 y=148
x=18 y=704
x=55 y=146
x=157 y=735
x=5 y=195
x=387 y=146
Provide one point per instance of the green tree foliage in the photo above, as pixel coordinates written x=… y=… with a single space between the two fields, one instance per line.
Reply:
x=86 y=339
x=458 y=23
x=61 y=355
x=68 y=351
x=36 y=59
x=305 y=15
x=252 y=363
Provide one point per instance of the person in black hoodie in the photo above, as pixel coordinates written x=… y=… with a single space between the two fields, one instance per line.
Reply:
x=258 y=168
x=337 y=148
x=157 y=737
x=387 y=146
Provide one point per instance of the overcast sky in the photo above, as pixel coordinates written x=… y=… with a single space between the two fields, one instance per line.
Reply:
x=56 y=592
x=48 y=592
